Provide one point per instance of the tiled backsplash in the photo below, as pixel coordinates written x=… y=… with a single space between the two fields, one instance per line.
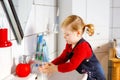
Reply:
x=115 y=18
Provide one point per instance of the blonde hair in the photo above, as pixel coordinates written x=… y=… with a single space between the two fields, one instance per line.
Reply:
x=77 y=23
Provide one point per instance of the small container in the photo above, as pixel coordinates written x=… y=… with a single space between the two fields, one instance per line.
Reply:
x=4 y=38
x=118 y=51
x=23 y=69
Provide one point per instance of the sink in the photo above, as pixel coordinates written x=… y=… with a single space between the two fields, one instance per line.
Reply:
x=73 y=75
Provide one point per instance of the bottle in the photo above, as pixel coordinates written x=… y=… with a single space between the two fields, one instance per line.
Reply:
x=38 y=55
x=23 y=69
x=39 y=49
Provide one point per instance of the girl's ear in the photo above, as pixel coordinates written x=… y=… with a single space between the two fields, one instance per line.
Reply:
x=79 y=33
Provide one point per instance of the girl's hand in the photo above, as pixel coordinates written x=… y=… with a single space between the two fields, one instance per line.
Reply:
x=43 y=68
x=48 y=68
x=52 y=68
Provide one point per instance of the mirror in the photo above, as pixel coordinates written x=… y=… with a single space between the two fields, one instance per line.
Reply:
x=17 y=12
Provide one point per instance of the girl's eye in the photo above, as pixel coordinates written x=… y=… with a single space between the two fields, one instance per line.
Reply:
x=66 y=34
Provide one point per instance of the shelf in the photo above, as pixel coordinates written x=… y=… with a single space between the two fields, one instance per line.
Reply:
x=115 y=60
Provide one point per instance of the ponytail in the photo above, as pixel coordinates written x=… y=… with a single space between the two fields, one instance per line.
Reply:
x=90 y=29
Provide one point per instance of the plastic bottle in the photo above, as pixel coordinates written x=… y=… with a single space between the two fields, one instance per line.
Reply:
x=39 y=49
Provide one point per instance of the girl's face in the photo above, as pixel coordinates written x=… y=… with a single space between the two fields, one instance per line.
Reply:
x=71 y=37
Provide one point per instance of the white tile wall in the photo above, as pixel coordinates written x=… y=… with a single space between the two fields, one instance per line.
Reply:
x=111 y=1
x=115 y=18
x=81 y=11
x=111 y=17
x=46 y=16
x=97 y=13
x=30 y=43
x=65 y=9
x=115 y=33
x=30 y=27
x=45 y=2
x=116 y=3
x=17 y=49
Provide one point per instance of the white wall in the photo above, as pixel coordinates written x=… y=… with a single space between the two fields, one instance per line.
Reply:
x=43 y=12
x=115 y=18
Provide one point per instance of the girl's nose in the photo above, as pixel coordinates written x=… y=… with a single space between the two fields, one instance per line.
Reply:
x=64 y=36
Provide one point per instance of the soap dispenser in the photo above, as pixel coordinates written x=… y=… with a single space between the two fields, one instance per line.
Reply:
x=116 y=45
x=23 y=69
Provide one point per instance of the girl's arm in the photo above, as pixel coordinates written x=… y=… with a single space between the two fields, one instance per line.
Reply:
x=62 y=58
x=82 y=52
